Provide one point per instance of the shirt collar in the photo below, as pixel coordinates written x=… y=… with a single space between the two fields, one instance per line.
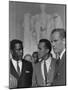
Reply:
x=13 y=60
x=48 y=60
x=62 y=53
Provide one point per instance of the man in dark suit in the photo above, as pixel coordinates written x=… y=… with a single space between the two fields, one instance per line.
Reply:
x=58 y=42
x=20 y=70
x=44 y=69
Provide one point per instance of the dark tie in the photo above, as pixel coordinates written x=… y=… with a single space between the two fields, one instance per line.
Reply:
x=58 y=60
x=18 y=68
x=45 y=72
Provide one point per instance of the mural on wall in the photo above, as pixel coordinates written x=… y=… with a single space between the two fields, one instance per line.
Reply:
x=39 y=26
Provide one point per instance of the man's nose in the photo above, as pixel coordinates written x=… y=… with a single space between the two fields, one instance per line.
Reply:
x=38 y=50
x=20 y=51
x=53 y=44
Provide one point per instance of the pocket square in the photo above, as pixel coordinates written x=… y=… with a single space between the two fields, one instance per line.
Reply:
x=27 y=71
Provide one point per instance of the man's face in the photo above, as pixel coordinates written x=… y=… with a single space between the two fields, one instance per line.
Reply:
x=35 y=57
x=42 y=50
x=28 y=57
x=57 y=42
x=17 y=53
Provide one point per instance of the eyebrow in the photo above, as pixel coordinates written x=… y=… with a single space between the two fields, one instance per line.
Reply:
x=39 y=48
x=19 y=48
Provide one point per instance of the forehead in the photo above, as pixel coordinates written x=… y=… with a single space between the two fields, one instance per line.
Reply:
x=28 y=57
x=35 y=54
x=18 y=45
x=41 y=44
x=55 y=35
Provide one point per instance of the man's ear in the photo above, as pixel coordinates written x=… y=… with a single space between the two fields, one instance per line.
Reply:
x=10 y=54
x=47 y=50
x=11 y=51
x=64 y=41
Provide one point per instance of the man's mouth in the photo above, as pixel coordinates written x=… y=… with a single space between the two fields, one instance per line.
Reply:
x=54 y=48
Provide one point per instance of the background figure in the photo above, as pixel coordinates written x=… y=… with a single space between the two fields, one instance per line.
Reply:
x=35 y=57
x=28 y=57
x=58 y=38
x=34 y=62
x=44 y=69
x=38 y=27
x=20 y=72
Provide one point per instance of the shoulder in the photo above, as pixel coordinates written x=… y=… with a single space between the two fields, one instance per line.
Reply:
x=64 y=55
x=10 y=62
x=26 y=62
x=54 y=59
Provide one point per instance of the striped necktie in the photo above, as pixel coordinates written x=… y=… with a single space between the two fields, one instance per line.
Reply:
x=18 y=68
x=58 y=59
x=45 y=72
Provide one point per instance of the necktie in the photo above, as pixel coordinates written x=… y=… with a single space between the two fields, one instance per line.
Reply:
x=18 y=68
x=58 y=59
x=45 y=72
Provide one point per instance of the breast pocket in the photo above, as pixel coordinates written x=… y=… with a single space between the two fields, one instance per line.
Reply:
x=27 y=71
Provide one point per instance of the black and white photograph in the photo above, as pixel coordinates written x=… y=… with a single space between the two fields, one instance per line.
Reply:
x=37 y=44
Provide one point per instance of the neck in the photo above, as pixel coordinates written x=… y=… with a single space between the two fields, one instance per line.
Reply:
x=16 y=59
x=46 y=57
x=61 y=51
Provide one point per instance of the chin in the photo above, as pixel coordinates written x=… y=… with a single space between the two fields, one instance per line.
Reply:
x=55 y=52
x=20 y=58
x=39 y=57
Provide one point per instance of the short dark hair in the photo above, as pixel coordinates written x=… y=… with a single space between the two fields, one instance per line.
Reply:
x=35 y=53
x=47 y=44
x=61 y=31
x=13 y=42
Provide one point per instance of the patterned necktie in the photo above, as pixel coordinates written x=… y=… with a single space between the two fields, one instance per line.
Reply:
x=18 y=68
x=45 y=72
x=58 y=59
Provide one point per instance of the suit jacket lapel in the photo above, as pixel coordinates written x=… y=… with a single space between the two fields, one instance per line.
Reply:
x=39 y=73
x=50 y=74
x=63 y=59
x=12 y=70
x=51 y=65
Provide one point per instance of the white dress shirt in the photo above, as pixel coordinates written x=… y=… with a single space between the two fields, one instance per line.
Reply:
x=48 y=62
x=62 y=54
x=15 y=64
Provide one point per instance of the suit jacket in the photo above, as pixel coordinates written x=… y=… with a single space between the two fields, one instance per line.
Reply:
x=60 y=72
x=37 y=74
x=25 y=79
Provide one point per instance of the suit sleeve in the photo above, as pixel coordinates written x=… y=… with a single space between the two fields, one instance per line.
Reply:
x=12 y=81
